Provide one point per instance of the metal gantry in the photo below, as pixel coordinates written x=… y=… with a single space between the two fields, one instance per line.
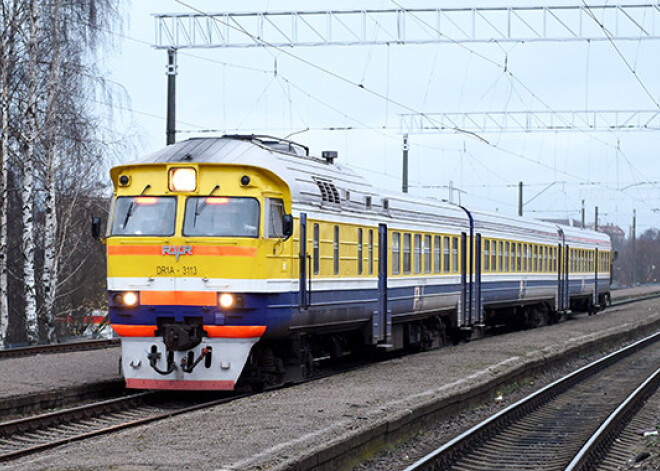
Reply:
x=531 y=121
x=409 y=26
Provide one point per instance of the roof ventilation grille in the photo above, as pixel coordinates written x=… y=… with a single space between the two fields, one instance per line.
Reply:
x=329 y=191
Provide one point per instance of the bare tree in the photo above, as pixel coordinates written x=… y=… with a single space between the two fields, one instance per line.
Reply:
x=29 y=139
x=51 y=148
x=7 y=42
x=50 y=270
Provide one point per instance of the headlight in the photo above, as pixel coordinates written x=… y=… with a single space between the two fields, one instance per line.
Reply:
x=183 y=179
x=226 y=300
x=130 y=299
x=231 y=301
x=125 y=299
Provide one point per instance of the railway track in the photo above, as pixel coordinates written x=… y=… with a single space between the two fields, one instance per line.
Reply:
x=36 y=433
x=642 y=429
x=79 y=346
x=32 y=434
x=546 y=430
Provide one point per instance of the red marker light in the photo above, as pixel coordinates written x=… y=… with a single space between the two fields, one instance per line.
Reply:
x=217 y=200
x=146 y=200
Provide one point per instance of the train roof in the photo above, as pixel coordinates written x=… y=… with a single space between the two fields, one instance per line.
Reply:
x=323 y=183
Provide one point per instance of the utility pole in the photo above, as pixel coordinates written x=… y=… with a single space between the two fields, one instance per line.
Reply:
x=596 y=219
x=582 y=214
x=520 y=199
x=404 y=186
x=634 y=254
x=171 y=96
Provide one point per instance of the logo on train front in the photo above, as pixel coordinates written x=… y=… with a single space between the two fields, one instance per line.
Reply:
x=176 y=250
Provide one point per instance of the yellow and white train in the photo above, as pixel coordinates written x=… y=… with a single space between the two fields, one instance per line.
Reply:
x=245 y=257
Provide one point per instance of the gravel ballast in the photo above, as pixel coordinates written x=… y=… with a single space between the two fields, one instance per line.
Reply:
x=286 y=429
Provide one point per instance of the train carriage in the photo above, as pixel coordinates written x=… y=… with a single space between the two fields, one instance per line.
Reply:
x=245 y=257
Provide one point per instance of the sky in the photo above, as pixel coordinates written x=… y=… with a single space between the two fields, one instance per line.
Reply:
x=286 y=93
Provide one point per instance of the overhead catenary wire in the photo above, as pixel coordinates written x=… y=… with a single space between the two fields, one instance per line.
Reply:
x=346 y=116
x=378 y=94
x=326 y=71
x=632 y=70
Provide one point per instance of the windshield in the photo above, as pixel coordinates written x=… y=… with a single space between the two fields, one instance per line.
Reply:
x=144 y=216
x=221 y=216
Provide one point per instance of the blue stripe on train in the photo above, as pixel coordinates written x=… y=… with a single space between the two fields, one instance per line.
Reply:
x=275 y=310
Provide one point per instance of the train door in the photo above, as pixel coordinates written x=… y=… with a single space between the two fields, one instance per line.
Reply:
x=304 y=283
x=595 y=300
x=560 y=279
x=563 y=268
x=565 y=279
x=478 y=302
x=381 y=319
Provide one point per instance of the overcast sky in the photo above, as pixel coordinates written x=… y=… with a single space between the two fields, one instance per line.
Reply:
x=236 y=90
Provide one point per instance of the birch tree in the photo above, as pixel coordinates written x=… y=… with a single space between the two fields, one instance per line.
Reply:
x=29 y=139
x=50 y=271
x=7 y=42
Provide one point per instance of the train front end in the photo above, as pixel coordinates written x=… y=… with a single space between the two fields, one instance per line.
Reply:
x=193 y=252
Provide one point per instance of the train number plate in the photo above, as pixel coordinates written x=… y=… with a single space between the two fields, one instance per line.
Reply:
x=176 y=270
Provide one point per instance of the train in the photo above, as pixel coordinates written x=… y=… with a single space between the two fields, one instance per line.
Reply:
x=243 y=260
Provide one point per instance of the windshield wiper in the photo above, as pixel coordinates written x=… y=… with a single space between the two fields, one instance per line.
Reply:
x=132 y=207
x=199 y=207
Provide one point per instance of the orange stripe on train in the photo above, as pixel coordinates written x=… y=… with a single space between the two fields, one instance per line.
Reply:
x=207 y=250
x=178 y=298
x=124 y=330
x=235 y=331
x=213 y=331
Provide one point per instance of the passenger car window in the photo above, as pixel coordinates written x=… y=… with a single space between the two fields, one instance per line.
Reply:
x=396 y=250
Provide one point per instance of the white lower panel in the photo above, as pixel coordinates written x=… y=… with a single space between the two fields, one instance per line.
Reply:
x=228 y=358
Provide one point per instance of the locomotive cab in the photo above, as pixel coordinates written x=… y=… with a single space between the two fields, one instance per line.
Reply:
x=191 y=249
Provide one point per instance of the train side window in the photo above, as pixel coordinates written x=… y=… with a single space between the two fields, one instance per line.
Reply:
x=445 y=253
x=417 y=261
x=587 y=267
x=359 y=251
x=336 y=247
x=524 y=257
x=512 y=257
x=587 y=260
x=493 y=256
x=371 y=251
x=535 y=259
x=316 y=249
x=437 y=258
x=275 y=218
x=486 y=256
x=454 y=254
x=427 y=254
x=500 y=252
x=396 y=253
x=406 y=253
x=581 y=260
x=519 y=258
x=543 y=259
x=506 y=257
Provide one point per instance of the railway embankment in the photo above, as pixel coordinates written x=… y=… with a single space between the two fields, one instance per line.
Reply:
x=342 y=418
